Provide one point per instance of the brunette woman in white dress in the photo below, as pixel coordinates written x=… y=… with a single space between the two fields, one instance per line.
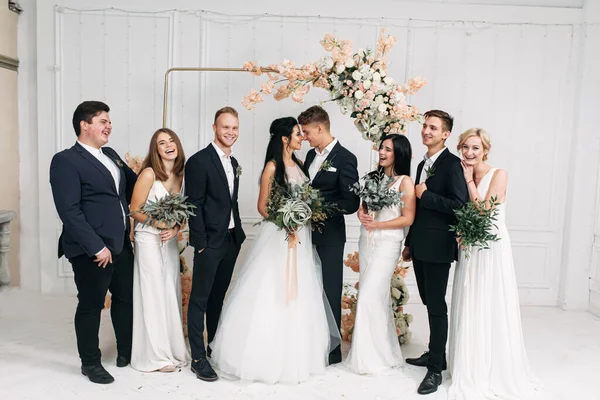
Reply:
x=375 y=345
x=158 y=341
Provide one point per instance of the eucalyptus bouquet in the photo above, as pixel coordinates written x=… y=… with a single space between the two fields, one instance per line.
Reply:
x=375 y=191
x=171 y=209
x=474 y=223
x=292 y=207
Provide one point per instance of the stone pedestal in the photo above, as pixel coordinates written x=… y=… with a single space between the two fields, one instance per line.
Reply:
x=5 y=218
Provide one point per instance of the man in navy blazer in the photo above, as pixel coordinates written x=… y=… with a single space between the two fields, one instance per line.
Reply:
x=92 y=189
x=331 y=169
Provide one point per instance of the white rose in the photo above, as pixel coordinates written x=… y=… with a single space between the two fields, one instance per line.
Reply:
x=376 y=77
x=349 y=63
x=382 y=73
x=388 y=81
x=328 y=63
x=356 y=76
x=367 y=84
x=339 y=68
x=359 y=94
x=382 y=108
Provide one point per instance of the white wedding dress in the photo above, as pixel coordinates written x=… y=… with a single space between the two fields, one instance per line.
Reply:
x=158 y=339
x=487 y=356
x=375 y=346
x=263 y=337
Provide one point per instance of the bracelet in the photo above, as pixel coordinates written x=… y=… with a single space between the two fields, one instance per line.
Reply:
x=470 y=181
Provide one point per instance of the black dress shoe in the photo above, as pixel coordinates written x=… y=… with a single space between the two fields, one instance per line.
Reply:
x=419 y=361
x=123 y=361
x=97 y=374
x=203 y=370
x=423 y=361
x=430 y=383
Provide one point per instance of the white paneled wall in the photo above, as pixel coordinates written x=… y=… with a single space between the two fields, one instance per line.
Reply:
x=515 y=80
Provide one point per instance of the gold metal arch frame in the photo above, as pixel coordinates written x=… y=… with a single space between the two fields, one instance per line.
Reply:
x=196 y=69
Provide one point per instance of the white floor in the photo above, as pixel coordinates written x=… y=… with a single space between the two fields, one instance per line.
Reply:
x=38 y=359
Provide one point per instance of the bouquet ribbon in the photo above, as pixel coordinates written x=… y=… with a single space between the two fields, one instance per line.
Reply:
x=291 y=271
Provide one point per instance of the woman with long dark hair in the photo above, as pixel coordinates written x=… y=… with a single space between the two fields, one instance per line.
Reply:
x=158 y=343
x=264 y=334
x=375 y=345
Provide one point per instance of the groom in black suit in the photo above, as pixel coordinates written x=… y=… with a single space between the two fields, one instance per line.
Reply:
x=332 y=170
x=212 y=184
x=440 y=189
x=92 y=188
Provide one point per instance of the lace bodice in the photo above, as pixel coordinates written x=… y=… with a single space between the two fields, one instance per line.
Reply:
x=388 y=214
x=295 y=175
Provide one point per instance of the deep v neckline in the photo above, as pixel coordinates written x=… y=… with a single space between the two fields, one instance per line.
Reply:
x=484 y=176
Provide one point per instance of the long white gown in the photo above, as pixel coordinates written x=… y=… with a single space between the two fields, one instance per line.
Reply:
x=262 y=337
x=487 y=355
x=158 y=339
x=375 y=345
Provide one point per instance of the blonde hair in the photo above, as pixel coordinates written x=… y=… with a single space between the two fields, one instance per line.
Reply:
x=481 y=134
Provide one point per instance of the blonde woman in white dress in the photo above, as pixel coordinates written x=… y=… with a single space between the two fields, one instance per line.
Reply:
x=158 y=343
x=487 y=355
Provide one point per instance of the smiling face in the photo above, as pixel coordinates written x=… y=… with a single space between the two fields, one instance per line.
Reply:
x=473 y=151
x=433 y=133
x=96 y=132
x=386 y=154
x=226 y=129
x=294 y=141
x=167 y=148
x=313 y=133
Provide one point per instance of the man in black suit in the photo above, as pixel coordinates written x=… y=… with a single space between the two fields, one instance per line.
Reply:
x=92 y=189
x=332 y=170
x=212 y=184
x=440 y=189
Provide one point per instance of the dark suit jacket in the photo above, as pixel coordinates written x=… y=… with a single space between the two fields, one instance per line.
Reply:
x=207 y=188
x=88 y=202
x=429 y=238
x=335 y=188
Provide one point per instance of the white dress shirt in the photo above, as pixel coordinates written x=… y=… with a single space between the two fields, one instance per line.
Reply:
x=320 y=159
x=429 y=161
x=111 y=167
x=229 y=172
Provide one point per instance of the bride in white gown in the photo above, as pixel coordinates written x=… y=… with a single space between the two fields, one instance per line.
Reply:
x=487 y=355
x=375 y=345
x=158 y=343
x=261 y=336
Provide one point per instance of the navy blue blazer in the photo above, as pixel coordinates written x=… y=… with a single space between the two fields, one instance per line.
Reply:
x=88 y=202
x=207 y=188
x=335 y=188
x=429 y=238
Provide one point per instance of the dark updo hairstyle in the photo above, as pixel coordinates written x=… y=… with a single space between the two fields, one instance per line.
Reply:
x=281 y=127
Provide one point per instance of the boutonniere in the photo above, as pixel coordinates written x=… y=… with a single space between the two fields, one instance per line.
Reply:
x=238 y=171
x=327 y=166
x=430 y=171
x=119 y=163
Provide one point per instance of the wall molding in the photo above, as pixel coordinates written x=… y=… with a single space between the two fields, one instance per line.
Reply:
x=9 y=63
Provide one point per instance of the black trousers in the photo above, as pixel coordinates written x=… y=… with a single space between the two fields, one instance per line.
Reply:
x=92 y=284
x=332 y=261
x=432 y=280
x=211 y=277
